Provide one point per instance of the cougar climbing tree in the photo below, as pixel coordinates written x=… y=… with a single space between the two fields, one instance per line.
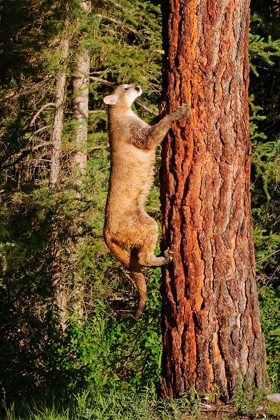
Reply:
x=211 y=329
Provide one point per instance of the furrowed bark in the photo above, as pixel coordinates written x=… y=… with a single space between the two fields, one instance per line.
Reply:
x=211 y=329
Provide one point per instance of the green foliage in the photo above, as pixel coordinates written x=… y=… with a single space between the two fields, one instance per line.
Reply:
x=252 y=405
x=99 y=347
x=261 y=50
x=145 y=404
x=264 y=101
x=107 y=352
x=266 y=164
x=94 y=405
x=270 y=317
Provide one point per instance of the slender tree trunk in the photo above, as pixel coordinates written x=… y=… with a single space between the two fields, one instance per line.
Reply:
x=80 y=103
x=61 y=291
x=211 y=329
x=79 y=138
x=58 y=117
x=59 y=112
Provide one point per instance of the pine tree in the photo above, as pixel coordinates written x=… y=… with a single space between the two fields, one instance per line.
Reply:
x=211 y=329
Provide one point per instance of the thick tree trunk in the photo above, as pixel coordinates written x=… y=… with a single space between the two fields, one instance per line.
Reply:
x=80 y=104
x=211 y=329
x=58 y=117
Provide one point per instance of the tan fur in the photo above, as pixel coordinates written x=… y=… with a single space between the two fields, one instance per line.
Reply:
x=127 y=226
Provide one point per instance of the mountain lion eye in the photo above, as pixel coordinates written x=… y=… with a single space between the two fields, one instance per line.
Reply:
x=126 y=88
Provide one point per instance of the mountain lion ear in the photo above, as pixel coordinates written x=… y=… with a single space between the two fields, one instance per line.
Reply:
x=110 y=100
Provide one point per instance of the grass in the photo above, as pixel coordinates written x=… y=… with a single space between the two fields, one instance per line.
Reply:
x=145 y=405
x=89 y=406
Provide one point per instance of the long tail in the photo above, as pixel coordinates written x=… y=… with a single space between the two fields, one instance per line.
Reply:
x=132 y=264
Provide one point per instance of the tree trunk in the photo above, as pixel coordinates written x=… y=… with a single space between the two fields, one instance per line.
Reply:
x=211 y=329
x=80 y=109
x=58 y=118
x=80 y=104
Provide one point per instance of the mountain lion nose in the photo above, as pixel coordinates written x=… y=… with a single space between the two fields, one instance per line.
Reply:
x=137 y=88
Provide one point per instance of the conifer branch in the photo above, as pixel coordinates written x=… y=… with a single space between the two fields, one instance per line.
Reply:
x=268 y=256
x=126 y=28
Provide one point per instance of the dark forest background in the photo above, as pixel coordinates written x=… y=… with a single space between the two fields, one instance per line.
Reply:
x=66 y=323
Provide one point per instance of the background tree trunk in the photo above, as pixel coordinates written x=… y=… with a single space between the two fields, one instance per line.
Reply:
x=80 y=104
x=80 y=109
x=58 y=117
x=211 y=329
x=59 y=102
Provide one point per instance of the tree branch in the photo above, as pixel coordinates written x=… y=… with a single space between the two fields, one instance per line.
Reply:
x=40 y=130
x=26 y=91
x=118 y=22
x=94 y=149
x=40 y=110
x=146 y=108
x=25 y=152
x=101 y=81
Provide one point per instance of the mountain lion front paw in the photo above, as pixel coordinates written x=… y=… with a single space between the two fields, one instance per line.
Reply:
x=181 y=112
x=168 y=255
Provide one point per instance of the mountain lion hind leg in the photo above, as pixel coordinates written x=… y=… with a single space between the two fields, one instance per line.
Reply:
x=146 y=256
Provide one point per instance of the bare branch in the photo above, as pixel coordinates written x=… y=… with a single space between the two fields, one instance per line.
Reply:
x=101 y=81
x=38 y=146
x=94 y=149
x=121 y=24
x=40 y=130
x=108 y=70
x=41 y=110
x=151 y=111
x=23 y=153
x=26 y=91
